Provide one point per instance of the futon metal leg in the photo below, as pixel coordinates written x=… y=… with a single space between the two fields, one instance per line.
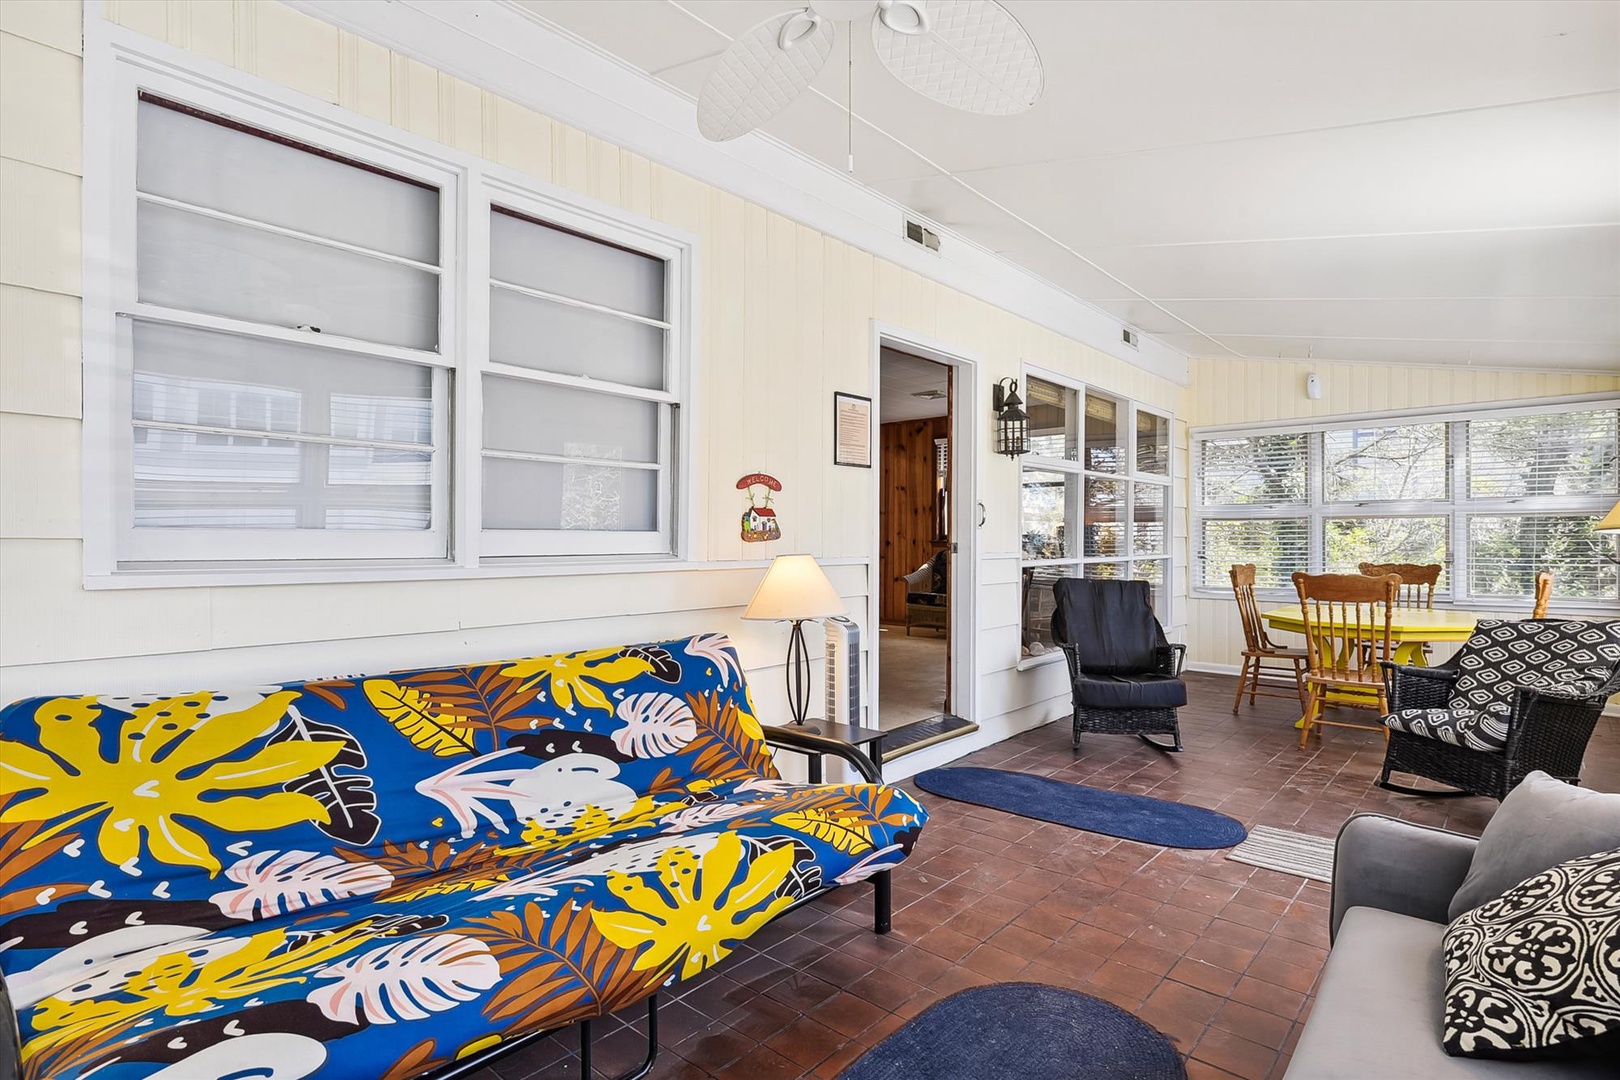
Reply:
x=637 y=1072
x=880 y=902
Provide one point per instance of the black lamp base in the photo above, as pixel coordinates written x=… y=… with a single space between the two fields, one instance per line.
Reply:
x=798 y=673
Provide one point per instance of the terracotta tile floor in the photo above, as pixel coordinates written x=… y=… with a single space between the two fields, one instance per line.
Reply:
x=1219 y=956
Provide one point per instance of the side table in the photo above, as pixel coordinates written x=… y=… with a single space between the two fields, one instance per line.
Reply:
x=815 y=738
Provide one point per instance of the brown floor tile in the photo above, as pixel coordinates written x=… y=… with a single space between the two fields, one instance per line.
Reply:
x=1236 y=1055
x=1220 y=956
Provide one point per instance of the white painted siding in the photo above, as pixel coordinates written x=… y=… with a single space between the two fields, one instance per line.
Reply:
x=785 y=314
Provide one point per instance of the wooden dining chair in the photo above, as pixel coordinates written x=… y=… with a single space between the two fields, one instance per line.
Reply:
x=1259 y=653
x=1418 y=581
x=1543 y=594
x=1347 y=639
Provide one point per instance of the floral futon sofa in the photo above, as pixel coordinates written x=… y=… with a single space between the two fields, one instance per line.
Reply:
x=396 y=876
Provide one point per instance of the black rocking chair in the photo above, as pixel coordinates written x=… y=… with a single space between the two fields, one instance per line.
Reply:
x=1520 y=696
x=1126 y=676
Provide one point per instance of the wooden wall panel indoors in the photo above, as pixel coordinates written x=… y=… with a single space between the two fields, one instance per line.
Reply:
x=909 y=508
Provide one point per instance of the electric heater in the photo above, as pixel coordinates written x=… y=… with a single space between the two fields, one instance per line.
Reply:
x=843 y=681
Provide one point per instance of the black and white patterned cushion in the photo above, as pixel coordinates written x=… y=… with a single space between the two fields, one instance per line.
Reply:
x=1535 y=973
x=1501 y=656
x=1474 y=730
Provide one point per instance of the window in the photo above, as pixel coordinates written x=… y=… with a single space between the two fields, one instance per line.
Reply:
x=281 y=338
x=1494 y=496
x=1095 y=497
x=578 y=413
x=298 y=373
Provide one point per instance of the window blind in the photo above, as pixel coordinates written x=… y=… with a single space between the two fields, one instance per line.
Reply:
x=1237 y=470
x=1495 y=497
x=1556 y=454
x=1504 y=553
x=578 y=466
x=248 y=236
x=1278 y=547
x=1375 y=464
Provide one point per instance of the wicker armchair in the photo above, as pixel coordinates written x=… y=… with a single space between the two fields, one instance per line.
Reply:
x=1126 y=677
x=1519 y=696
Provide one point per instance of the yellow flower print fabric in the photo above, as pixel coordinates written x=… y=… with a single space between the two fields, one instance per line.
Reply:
x=354 y=877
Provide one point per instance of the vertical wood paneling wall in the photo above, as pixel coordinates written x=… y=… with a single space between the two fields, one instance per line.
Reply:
x=1254 y=391
x=909 y=511
x=786 y=316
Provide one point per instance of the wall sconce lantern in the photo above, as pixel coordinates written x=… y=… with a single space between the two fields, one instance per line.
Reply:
x=1012 y=423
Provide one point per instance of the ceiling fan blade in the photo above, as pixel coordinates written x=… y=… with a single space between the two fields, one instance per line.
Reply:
x=762 y=71
x=968 y=54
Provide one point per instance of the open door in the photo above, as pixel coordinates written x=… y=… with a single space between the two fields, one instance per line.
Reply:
x=922 y=583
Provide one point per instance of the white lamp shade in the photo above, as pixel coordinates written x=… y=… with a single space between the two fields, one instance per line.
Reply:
x=794 y=588
x=1611 y=523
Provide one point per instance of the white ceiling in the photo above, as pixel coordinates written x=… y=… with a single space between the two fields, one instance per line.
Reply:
x=1431 y=182
x=901 y=378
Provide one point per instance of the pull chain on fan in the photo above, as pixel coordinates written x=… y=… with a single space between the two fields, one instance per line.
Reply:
x=968 y=54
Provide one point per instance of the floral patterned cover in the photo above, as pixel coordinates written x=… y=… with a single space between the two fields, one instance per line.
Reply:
x=372 y=877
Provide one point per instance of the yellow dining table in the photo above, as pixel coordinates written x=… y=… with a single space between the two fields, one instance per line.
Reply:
x=1409 y=629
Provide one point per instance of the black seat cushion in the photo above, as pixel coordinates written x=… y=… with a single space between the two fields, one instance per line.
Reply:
x=1130 y=692
x=929 y=599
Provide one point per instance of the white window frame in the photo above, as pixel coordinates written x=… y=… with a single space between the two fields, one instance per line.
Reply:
x=119 y=64
x=672 y=420
x=1457 y=506
x=1127 y=421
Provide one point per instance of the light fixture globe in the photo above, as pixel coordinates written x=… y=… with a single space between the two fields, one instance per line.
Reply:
x=905 y=16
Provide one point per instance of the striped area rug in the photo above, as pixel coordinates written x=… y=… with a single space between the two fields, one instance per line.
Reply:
x=1294 y=853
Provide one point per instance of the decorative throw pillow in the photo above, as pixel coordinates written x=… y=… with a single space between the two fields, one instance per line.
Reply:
x=1541 y=823
x=1535 y=973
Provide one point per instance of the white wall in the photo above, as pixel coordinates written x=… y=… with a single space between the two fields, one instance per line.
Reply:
x=786 y=315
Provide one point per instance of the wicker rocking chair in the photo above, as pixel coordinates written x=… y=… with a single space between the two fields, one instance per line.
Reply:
x=1126 y=677
x=1519 y=696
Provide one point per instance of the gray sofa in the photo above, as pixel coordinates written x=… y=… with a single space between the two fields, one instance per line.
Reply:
x=1380 y=1002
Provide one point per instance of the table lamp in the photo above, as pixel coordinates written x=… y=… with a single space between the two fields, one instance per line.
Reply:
x=794 y=590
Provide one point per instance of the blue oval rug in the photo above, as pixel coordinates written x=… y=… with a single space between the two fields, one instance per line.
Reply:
x=1112 y=813
x=1021 y=1031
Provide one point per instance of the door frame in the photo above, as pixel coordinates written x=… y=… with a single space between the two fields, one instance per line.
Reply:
x=964 y=509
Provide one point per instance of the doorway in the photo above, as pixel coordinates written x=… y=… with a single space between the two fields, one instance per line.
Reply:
x=918 y=591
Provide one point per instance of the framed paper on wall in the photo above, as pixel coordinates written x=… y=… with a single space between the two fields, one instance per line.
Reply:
x=852 y=430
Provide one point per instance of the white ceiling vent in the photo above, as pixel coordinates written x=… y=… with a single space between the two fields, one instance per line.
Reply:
x=1128 y=336
x=918 y=233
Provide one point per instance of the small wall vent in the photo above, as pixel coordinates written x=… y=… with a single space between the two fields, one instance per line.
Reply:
x=1128 y=336
x=920 y=234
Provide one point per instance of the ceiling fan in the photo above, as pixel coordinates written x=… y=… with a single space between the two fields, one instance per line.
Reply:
x=968 y=54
